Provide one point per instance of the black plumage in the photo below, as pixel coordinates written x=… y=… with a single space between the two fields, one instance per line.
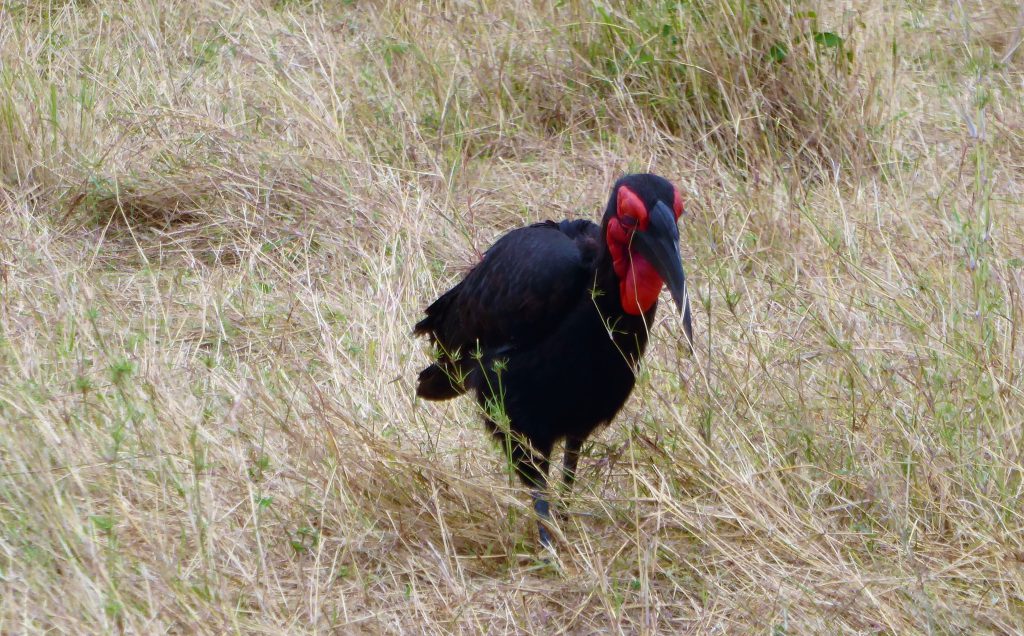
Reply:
x=547 y=330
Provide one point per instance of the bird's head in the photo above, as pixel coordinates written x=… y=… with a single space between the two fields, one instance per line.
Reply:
x=643 y=240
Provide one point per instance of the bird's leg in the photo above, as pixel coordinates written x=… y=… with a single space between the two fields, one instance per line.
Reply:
x=569 y=461
x=532 y=467
x=543 y=510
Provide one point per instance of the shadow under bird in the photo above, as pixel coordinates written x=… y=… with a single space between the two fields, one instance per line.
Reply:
x=548 y=329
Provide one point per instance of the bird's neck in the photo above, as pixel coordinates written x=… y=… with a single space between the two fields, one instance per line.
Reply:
x=639 y=283
x=628 y=330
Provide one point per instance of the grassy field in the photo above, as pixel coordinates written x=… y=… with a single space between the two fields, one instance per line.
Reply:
x=220 y=219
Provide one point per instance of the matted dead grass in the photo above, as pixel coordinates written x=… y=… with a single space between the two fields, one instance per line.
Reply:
x=219 y=221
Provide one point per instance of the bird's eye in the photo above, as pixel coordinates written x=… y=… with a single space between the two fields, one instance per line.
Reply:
x=631 y=209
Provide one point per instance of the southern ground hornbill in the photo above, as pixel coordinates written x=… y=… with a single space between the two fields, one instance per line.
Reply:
x=549 y=327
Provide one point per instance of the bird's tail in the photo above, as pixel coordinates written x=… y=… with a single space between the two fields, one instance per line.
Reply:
x=439 y=382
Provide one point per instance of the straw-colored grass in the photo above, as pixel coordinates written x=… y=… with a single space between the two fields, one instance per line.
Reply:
x=219 y=221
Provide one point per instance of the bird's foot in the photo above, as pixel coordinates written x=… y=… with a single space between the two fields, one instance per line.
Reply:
x=545 y=536
x=543 y=510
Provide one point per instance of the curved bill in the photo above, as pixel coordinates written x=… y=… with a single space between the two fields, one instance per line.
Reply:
x=659 y=244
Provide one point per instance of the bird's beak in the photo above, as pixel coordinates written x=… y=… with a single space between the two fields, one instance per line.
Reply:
x=659 y=244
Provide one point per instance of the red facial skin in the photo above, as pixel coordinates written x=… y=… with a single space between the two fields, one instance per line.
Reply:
x=639 y=283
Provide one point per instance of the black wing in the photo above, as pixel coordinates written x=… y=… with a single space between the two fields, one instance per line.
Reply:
x=527 y=282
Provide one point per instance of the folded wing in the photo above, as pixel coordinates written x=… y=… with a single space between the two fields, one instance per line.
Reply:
x=526 y=284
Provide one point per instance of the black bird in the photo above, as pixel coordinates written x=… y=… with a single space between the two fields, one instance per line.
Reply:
x=548 y=329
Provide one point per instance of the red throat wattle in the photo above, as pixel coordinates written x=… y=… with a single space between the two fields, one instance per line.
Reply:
x=639 y=283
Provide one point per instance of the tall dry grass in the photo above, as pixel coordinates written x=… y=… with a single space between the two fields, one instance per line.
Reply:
x=218 y=222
